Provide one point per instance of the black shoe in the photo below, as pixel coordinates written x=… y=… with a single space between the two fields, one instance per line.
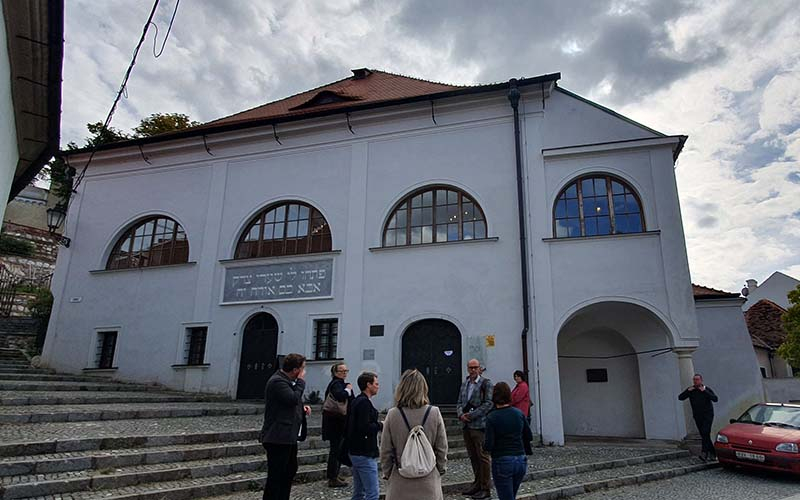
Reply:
x=336 y=483
x=480 y=495
x=704 y=456
x=471 y=490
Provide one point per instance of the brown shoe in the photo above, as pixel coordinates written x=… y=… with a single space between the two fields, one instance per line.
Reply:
x=471 y=490
x=336 y=483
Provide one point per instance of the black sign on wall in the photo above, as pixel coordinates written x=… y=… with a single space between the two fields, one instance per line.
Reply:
x=596 y=375
x=376 y=330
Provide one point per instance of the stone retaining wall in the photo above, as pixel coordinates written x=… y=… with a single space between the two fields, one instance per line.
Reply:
x=24 y=342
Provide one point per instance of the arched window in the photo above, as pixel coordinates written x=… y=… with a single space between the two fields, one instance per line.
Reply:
x=433 y=215
x=154 y=241
x=595 y=205
x=288 y=228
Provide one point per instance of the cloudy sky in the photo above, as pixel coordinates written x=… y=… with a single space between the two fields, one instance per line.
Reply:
x=726 y=73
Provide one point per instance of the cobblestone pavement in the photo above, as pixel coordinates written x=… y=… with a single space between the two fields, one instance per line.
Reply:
x=716 y=484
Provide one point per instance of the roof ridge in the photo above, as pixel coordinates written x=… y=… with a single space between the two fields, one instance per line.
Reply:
x=767 y=301
x=420 y=79
x=714 y=289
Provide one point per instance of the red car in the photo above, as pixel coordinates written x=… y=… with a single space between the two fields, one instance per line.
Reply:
x=766 y=436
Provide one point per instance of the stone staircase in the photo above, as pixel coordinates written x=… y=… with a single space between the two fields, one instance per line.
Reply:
x=84 y=437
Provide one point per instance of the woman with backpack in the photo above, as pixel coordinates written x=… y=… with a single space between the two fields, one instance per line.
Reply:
x=334 y=418
x=413 y=443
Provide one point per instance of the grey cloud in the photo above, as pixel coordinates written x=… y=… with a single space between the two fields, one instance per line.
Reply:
x=793 y=177
x=707 y=221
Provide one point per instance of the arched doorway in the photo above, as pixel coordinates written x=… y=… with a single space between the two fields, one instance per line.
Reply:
x=259 y=356
x=433 y=346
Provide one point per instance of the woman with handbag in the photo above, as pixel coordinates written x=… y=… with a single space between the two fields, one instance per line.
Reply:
x=334 y=419
x=412 y=409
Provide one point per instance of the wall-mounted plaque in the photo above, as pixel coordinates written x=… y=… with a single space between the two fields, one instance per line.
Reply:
x=376 y=330
x=596 y=375
x=279 y=281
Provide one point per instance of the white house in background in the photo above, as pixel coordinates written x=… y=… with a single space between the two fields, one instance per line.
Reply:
x=776 y=289
x=31 y=54
x=394 y=222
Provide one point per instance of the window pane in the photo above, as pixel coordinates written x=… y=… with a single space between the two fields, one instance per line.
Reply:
x=294 y=210
x=416 y=216
x=562 y=231
x=591 y=226
x=391 y=223
x=427 y=216
x=452 y=213
x=621 y=224
x=469 y=230
x=441 y=215
x=600 y=187
x=574 y=227
x=278 y=233
x=587 y=187
x=441 y=232
x=561 y=209
x=416 y=235
x=427 y=198
x=268 y=231
x=616 y=188
x=416 y=201
x=303 y=212
x=480 y=230
x=302 y=228
x=280 y=213
x=441 y=197
x=452 y=232
x=452 y=197
x=604 y=225
x=572 y=191
x=401 y=218
x=427 y=234
x=601 y=205
x=631 y=205
x=468 y=211
x=572 y=208
x=401 y=237
x=619 y=204
x=389 y=238
x=634 y=224
x=271 y=216
x=291 y=229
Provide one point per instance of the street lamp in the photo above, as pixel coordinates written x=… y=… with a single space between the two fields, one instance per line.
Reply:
x=55 y=218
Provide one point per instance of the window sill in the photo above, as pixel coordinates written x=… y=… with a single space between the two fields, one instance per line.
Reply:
x=440 y=244
x=203 y=366
x=146 y=268
x=323 y=361
x=644 y=234
x=278 y=258
x=101 y=370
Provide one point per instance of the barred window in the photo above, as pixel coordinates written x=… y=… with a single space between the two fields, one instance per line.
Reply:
x=290 y=228
x=434 y=215
x=595 y=205
x=106 y=345
x=154 y=241
x=196 y=345
x=325 y=338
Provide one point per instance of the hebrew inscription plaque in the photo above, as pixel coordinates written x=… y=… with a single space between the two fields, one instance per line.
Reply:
x=284 y=281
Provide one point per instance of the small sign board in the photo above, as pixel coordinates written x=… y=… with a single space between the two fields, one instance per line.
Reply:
x=490 y=341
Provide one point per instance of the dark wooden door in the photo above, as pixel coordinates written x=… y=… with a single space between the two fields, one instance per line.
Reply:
x=433 y=346
x=259 y=356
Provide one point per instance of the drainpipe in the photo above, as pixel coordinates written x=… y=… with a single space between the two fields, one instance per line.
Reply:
x=513 y=97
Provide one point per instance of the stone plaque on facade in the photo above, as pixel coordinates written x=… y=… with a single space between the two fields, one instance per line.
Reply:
x=280 y=281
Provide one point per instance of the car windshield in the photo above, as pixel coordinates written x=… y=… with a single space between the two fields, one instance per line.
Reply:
x=778 y=416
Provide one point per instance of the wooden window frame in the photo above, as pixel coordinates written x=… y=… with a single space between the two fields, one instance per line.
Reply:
x=196 y=338
x=333 y=338
x=462 y=198
x=129 y=237
x=322 y=242
x=608 y=180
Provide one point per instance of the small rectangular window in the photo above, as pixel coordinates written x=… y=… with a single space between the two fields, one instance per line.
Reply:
x=597 y=375
x=376 y=330
x=106 y=344
x=326 y=333
x=196 y=345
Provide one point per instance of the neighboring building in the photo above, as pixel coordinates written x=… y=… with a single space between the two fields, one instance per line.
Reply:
x=376 y=220
x=725 y=357
x=766 y=329
x=31 y=53
x=776 y=289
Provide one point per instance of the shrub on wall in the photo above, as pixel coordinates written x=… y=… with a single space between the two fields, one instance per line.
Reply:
x=10 y=245
x=40 y=307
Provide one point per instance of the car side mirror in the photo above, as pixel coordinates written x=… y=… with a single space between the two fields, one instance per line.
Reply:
x=733 y=420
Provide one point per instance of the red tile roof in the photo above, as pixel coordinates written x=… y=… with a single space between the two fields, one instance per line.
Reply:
x=707 y=293
x=764 y=324
x=372 y=86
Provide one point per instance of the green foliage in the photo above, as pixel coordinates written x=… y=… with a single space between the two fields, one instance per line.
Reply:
x=790 y=349
x=103 y=136
x=159 y=123
x=41 y=304
x=10 y=245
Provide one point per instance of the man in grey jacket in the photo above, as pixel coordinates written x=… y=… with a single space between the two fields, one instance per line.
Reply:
x=474 y=402
x=283 y=418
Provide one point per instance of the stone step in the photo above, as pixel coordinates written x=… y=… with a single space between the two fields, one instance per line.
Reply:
x=92 y=412
x=47 y=385
x=29 y=375
x=22 y=398
x=7 y=363
x=22 y=370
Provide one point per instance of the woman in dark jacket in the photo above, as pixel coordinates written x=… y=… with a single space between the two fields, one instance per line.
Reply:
x=333 y=425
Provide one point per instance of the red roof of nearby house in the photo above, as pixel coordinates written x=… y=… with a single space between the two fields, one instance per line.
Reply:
x=764 y=324
x=365 y=86
x=707 y=293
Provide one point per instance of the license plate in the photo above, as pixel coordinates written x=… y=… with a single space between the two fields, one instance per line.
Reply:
x=750 y=456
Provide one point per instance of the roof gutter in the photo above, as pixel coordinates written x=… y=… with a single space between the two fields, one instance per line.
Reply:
x=55 y=58
x=248 y=124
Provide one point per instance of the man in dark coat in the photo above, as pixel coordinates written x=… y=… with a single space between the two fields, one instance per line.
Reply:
x=283 y=423
x=333 y=424
x=701 y=399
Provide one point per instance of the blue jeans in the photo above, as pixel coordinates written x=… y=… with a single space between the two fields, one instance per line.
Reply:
x=508 y=473
x=365 y=477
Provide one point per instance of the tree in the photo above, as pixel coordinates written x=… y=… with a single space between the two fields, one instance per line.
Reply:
x=158 y=123
x=790 y=349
